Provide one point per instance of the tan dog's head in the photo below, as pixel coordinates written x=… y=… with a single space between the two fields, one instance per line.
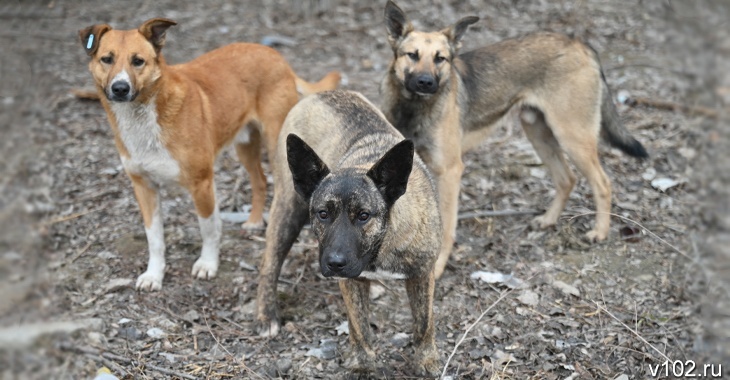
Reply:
x=125 y=63
x=422 y=61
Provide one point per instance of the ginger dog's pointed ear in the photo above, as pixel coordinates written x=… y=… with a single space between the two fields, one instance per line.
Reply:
x=154 y=31
x=91 y=36
x=396 y=23
x=456 y=32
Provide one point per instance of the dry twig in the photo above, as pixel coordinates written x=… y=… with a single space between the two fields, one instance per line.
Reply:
x=93 y=352
x=453 y=352
x=603 y=309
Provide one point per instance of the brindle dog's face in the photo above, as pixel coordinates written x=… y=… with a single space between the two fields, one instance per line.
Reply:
x=125 y=63
x=348 y=217
x=422 y=60
x=349 y=209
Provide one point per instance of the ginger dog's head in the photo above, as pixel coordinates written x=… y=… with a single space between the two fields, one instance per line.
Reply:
x=125 y=63
x=422 y=60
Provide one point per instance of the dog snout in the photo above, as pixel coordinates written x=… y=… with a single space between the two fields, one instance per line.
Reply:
x=424 y=83
x=121 y=90
x=336 y=262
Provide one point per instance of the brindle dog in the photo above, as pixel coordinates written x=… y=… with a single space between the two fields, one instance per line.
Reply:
x=373 y=208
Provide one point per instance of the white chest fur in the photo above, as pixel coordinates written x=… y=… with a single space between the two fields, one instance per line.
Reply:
x=141 y=135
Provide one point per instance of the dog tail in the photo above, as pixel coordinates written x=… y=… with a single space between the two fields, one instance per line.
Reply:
x=329 y=82
x=613 y=130
x=85 y=94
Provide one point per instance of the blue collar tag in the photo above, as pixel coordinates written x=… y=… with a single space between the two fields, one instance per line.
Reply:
x=90 y=42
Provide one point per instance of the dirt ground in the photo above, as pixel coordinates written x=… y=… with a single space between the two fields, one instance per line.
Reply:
x=72 y=241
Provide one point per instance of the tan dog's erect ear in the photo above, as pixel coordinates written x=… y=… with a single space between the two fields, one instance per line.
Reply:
x=154 y=31
x=396 y=23
x=91 y=36
x=456 y=32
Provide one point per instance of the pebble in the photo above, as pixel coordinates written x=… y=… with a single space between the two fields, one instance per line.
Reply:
x=156 y=333
x=283 y=366
x=130 y=333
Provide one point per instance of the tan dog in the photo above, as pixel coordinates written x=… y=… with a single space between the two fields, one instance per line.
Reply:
x=448 y=103
x=170 y=123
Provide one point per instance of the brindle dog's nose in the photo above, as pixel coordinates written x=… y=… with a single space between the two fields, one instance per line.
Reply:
x=120 y=89
x=336 y=262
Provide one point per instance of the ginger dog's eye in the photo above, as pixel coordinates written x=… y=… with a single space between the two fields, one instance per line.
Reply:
x=413 y=56
x=137 y=62
x=107 y=59
x=439 y=59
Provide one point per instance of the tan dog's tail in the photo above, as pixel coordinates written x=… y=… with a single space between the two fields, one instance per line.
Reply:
x=329 y=82
x=613 y=130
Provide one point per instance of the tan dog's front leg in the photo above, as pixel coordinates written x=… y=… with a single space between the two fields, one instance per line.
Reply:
x=149 y=203
x=449 y=183
x=420 y=295
x=356 y=293
x=203 y=193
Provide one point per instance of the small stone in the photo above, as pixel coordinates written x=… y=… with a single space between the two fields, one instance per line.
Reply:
x=130 y=333
x=106 y=255
x=169 y=357
x=191 y=316
x=400 y=340
x=95 y=338
x=283 y=366
x=343 y=328
x=478 y=353
x=529 y=298
x=156 y=333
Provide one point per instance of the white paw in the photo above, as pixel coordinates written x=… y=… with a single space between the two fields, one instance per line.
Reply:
x=254 y=226
x=150 y=281
x=205 y=269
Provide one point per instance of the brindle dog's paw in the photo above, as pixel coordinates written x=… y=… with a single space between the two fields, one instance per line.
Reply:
x=360 y=361
x=267 y=327
x=427 y=363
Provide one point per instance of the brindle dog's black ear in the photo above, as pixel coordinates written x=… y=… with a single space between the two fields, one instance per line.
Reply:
x=307 y=169
x=396 y=23
x=391 y=172
x=154 y=31
x=91 y=36
x=456 y=32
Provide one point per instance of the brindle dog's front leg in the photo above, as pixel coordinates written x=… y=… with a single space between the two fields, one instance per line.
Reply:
x=356 y=293
x=426 y=359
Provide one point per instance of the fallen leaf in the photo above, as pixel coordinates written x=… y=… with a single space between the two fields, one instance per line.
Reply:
x=567 y=289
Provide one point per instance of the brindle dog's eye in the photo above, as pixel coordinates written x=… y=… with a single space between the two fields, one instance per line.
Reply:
x=413 y=56
x=323 y=215
x=107 y=59
x=137 y=62
x=363 y=217
x=439 y=59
